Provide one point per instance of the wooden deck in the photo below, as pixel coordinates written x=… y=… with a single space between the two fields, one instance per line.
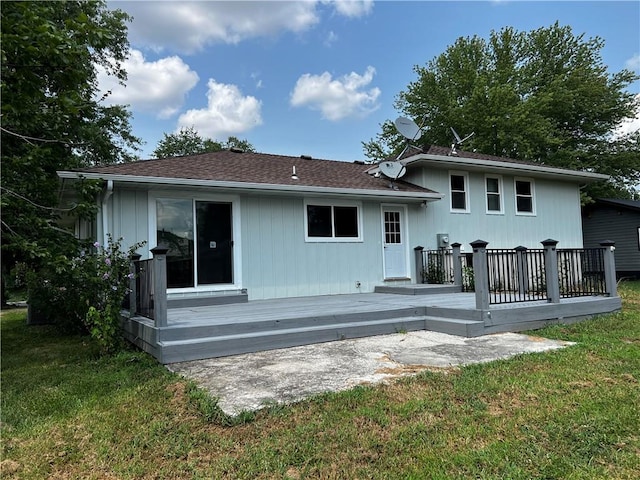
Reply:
x=199 y=332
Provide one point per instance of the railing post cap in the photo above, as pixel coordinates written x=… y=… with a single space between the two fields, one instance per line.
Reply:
x=159 y=250
x=136 y=256
x=419 y=248
x=549 y=242
x=520 y=248
x=608 y=243
x=456 y=244
x=479 y=244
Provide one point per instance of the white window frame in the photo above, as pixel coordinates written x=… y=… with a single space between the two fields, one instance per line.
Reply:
x=332 y=203
x=532 y=213
x=500 y=194
x=236 y=225
x=466 y=208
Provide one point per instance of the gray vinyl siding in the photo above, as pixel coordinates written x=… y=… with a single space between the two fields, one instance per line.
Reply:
x=604 y=222
x=128 y=218
x=557 y=213
x=278 y=262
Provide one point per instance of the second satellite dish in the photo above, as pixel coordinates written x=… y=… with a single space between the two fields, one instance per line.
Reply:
x=408 y=128
x=393 y=170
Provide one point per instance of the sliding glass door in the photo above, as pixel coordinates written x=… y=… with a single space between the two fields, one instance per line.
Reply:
x=199 y=237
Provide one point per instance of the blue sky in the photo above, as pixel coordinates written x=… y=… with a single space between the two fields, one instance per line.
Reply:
x=317 y=77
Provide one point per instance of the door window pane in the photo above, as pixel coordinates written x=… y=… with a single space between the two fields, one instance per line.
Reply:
x=392 y=228
x=175 y=232
x=215 y=245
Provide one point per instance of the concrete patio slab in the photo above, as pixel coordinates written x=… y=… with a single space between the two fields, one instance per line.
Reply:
x=250 y=381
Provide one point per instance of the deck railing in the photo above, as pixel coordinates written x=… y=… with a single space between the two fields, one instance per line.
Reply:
x=144 y=288
x=148 y=288
x=520 y=274
x=440 y=267
x=516 y=275
x=581 y=272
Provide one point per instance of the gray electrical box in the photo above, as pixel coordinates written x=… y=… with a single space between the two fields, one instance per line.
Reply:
x=443 y=240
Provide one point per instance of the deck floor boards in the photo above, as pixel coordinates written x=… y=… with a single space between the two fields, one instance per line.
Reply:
x=278 y=309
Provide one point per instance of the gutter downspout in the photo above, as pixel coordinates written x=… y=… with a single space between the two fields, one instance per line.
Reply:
x=105 y=221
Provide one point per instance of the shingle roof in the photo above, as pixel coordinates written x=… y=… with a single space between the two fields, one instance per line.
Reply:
x=619 y=202
x=259 y=168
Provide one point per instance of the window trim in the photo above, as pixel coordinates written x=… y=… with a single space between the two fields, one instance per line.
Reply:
x=236 y=225
x=500 y=194
x=532 y=213
x=467 y=207
x=332 y=204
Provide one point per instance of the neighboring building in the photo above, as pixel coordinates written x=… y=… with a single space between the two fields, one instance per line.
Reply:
x=619 y=221
x=276 y=226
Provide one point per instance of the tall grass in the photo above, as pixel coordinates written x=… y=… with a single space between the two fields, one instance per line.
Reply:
x=571 y=413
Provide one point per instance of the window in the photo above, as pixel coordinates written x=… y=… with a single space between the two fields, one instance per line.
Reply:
x=525 y=201
x=332 y=222
x=458 y=186
x=493 y=188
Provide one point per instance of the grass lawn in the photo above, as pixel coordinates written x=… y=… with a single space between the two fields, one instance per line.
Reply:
x=571 y=413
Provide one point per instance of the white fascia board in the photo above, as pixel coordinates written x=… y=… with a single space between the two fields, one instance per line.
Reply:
x=264 y=187
x=508 y=167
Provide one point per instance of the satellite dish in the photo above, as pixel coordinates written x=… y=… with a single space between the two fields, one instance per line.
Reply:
x=393 y=170
x=408 y=128
x=458 y=140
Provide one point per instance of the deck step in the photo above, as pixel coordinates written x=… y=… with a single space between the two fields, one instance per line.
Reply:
x=418 y=289
x=220 y=346
x=453 y=326
x=297 y=320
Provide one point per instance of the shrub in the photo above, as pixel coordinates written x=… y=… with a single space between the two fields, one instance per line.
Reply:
x=86 y=292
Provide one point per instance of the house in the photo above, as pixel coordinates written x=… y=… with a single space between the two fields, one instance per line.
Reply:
x=617 y=220
x=241 y=225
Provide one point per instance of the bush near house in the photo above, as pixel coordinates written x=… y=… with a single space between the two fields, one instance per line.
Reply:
x=85 y=293
x=571 y=413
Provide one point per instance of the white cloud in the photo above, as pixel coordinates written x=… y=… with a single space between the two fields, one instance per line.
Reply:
x=630 y=124
x=157 y=87
x=330 y=39
x=188 y=27
x=352 y=8
x=633 y=63
x=228 y=113
x=339 y=98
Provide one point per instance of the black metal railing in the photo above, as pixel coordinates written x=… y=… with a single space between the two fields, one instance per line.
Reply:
x=144 y=288
x=581 y=272
x=516 y=275
x=439 y=268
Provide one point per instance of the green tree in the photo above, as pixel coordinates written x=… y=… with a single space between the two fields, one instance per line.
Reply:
x=52 y=118
x=188 y=142
x=542 y=96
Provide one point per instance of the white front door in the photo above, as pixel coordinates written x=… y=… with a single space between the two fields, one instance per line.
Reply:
x=394 y=243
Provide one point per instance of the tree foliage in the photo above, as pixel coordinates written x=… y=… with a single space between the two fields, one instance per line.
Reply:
x=543 y=96
x=51 y=116
x=188 y=142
